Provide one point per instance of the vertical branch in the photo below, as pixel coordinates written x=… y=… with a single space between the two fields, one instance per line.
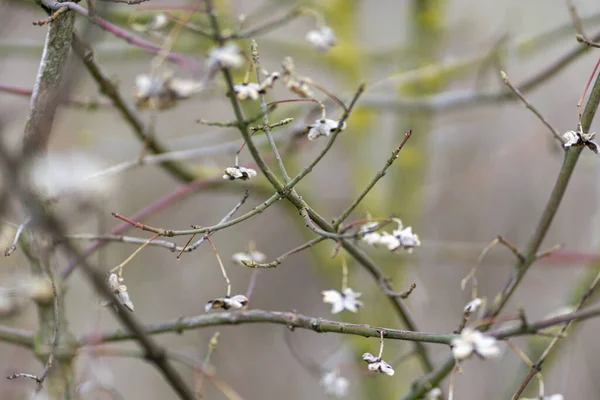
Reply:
x=47 y=87
x=45 y=98
x=265 y=114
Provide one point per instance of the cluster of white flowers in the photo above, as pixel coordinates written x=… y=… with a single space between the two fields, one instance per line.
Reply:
x=162 y=91
x=474 y=342
x=335 y=385
x=119 y=290
x=321 y=39
x=323 y=127
x=237 y=172
x=573 y=138
x=378 y=365
x=347 y=299
x=400 y=238
x=253 y=256
x=236 y=302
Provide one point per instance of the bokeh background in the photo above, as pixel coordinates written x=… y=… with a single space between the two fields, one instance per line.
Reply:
x=470 y=172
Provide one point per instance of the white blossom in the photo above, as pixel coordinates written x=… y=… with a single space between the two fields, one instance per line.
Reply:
x=323 y=127
x=573 y=138
x=434 y=394
x=408 y=239
x=251 y=256
x=335 y=386
x=474 y=342
x=400 y=238
x=556 y=396
x=236 y=172
x=228 y=56
x=473 y=306
x=244 y=91
x=344 y=300
x=378 y=365
x=322 y=39
x=236 y=302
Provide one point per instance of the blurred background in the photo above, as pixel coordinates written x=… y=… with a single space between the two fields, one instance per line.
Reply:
x=473 y=170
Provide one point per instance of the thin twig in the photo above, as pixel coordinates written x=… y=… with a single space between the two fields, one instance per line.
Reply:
x=531 y=107
x=380 y=174
x=11 y=249
x=265 y=116
x=223 y=271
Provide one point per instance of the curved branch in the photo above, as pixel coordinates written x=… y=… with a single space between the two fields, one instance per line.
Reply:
x=289 y=319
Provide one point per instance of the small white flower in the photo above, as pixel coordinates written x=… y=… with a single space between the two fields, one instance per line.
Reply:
x=474 y=342
x=345 y=300
x=236 y=302
x=335 y=386
x=322 y=39
x=252 y=256
x=434 y=394
x=236 y=172
x=245 y=91
x=378 y=365
x=323 y=127
x=228 y=56
x=408 y=240
x=571 y=137
x=576 y=138
x=473 y=306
